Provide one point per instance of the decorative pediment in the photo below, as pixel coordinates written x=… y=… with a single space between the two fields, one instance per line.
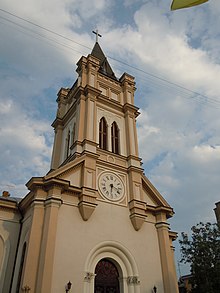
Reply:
x=152 y=193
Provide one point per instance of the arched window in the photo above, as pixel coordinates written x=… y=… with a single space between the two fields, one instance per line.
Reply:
x=21 y=268
x=67 y=145
x=103 y=134
x=115 y=138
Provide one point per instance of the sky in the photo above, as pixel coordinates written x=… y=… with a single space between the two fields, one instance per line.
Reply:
x=175 y=58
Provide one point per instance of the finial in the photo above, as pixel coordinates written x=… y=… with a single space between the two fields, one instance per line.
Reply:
x=97 y=35
x=5 y=194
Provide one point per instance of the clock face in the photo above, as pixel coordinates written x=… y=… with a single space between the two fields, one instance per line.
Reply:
x=111 y=186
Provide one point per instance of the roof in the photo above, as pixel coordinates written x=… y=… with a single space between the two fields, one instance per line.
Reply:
x=10 y=198
x=9 y=203
x=105 y=67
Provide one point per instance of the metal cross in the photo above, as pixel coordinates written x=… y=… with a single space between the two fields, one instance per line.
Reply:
x=97 y=35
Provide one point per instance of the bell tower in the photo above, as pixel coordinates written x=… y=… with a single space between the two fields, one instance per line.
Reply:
x=96 y=119
x=95 y=92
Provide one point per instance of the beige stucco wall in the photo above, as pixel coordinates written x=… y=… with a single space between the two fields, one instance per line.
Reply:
x=9 y=234
x=24 y=235
x=76 y=238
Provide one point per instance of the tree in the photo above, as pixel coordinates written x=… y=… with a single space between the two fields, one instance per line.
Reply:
x=202 y=251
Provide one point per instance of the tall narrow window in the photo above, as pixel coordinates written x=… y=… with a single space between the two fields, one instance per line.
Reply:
x=21 y=268
x=115 y=138
x=73 y=133
x=103 y=134
x=67 y=145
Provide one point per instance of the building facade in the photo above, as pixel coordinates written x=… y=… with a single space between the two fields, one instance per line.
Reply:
x=94 y=223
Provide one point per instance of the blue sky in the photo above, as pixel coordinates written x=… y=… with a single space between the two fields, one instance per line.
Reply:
x=175 y=58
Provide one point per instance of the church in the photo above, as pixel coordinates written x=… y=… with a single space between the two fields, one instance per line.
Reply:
x=94 y=223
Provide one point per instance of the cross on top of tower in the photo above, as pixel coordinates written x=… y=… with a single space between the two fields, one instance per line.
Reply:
x=97 y=35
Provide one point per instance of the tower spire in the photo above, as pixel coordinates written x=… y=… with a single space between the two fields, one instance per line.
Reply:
x=97 y=35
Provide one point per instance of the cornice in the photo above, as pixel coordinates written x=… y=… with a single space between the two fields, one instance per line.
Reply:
x=39 y=182
x=136 y=169
x=110 y=164
x=58 y=121
x=63 y=168
x=127 y=77
x=35 y=182
x=47 y=184
x=53 y=201
x=83 y=59
x=8 y=205
x=106 y=152
x=166 y=210
x=109 y=80
x=173 y=235
x=79 y=165
x=92 y=142
x=129 y=108
x=116 y=105
x=90 y=154
x=92 y=90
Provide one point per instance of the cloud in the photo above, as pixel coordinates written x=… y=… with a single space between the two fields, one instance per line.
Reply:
x=206 y=154
x=25 y=146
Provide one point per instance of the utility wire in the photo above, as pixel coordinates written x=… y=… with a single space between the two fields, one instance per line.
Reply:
x=150 y=75
x=44 y=28
x=39 y=34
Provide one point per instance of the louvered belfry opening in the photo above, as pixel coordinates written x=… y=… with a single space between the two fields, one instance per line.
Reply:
x=103 y=134
x=115 y=138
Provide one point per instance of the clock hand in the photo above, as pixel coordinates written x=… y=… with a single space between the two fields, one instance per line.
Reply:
x=111 y=185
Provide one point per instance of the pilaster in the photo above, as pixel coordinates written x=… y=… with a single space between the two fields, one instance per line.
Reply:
x=169 y=279
x=82 y=118
x=46 y=259
x=131 y=112
x=55 y=161
x=58 y=127
x=91 y=95
x=128 y=86
x=34 y=243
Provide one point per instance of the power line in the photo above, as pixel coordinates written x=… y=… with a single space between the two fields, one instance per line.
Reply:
x=167 y=81
x=44 y=28
x=154 y=77
x=37 y=33
x=184 y=92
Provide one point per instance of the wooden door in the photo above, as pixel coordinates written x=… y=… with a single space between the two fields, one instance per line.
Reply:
x=106 y=280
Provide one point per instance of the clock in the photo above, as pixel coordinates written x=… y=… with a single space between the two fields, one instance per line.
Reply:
x=111 y=186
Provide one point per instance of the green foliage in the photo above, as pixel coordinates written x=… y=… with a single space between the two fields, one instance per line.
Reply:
x=202 y=251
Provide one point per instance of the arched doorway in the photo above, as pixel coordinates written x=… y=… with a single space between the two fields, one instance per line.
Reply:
x=106 y=279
